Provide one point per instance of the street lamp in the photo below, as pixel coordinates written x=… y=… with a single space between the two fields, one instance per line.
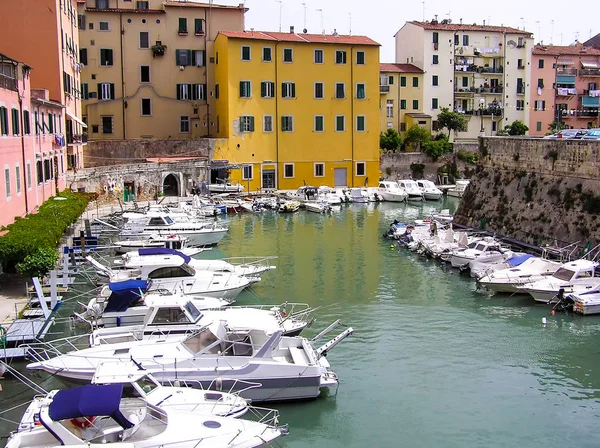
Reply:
x=481 y=103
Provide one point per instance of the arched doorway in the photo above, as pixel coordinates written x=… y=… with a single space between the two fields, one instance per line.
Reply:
x=171 y=186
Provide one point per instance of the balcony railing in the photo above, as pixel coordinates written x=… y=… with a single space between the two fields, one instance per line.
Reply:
x=566 y=71
x=6 y=82
x=465 y=91
x=496 y=111
x=472 y=68
x=491 y=90
x=520 y=90
x=588 y=113
x=75 y=139
x=384 y=89
x=566 y=91
x=589 y=72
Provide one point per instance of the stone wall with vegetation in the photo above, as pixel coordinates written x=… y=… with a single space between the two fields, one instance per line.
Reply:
x=536 y=190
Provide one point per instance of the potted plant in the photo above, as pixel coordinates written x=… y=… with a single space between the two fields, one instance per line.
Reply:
x=158 y=49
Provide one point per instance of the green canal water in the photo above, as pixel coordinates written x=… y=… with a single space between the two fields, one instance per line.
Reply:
x=433 y=362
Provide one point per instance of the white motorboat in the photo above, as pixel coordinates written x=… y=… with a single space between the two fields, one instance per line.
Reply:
x=289 y=206
x=488 y=248
x=288 y=368
x=586 y=303
x=252 y=207
x=317 y=207
x=459 y=189
x=573 y=277
x=429 y=190
x=390 y=191
x=329 y=195
x=359 y=195
x=172 y=241
x=225 y=187
x=412 y=190
x=169 y=317
x=524 y=269
x=305 y=193
x=198 y=233
x=174 y=273
x=123 y=303
x=97 y=415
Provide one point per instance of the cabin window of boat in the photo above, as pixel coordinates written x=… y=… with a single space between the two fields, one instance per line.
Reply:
x=169 y=220
x=194 y=312
x=172 y=271
x=166 y=316
x=472 y=245
x=200 y=341
x=147 y=385
x=480 y=247
x=156 y=222
x=563 y=274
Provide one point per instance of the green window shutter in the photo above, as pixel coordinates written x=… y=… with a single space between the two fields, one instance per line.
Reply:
x=293 y=90
x=112 y=91
x=99 y=91
x=251 y=124
x=402 y=104
x=415 y=81
x=189 y=57
x=403 y=81
x=217 y=91
x=178 y=91
x=391 y=80
x=84 y=88
x=242 y=89
x=282 y=88
x=182 y=25
x=273 y=89
x=263 y=89
x=198 y=29
x=177 y=57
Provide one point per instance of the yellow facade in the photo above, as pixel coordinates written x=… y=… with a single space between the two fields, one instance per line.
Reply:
x=401 y=98
x=287 y=159
x=143 y=94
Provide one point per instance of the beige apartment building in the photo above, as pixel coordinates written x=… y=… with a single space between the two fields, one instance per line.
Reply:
x=148 y=70
x=481 y=71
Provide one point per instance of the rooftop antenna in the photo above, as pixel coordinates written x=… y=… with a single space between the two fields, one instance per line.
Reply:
x=304 y=4
x=448 y=15
x=577 y=36
x=551 y=32
x=523 y=23
x=280 y=12
x=561 y=39
x=539 y=31
x=322 y=26
x=350 y=15
x=423 y=11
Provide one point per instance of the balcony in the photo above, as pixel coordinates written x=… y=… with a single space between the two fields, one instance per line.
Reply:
x=489 y=111
x=588 y=113
x=383 y=89
x=566 y=91
x=566 y=71
x=76 y=139
x=595 y=72
x=490 y=90
x=465 y=91
x=473 y=68
x=520 y=90
x=7 y=82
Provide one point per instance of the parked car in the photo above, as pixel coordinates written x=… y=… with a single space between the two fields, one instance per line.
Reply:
x=569 y=134
x=592 y=134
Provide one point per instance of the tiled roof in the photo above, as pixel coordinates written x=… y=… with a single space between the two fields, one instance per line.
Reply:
x=194 y=4
x=308 y=38
x=125 y=11
x=465 y=27
x=593 y=42
x=557 y=50
x=399 y=68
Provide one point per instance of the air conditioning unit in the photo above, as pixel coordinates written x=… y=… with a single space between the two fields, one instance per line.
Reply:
x=182 y=67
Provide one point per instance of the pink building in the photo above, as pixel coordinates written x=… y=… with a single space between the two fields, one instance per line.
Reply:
x=32 y=147
x=565 y=86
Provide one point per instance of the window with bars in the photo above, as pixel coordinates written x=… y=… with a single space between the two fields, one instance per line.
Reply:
x=247 y=123
x=288 y=90
x=106 y=91
x=245 y=89
x=267 y=89
x=267 y=123
x=287 y=123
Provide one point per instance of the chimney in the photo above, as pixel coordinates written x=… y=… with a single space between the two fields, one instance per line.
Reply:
x=461 y=20
x=292 y=29
x=484 y=23
x=335 y=33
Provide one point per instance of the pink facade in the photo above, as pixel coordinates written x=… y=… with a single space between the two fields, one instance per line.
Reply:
x=32 y=149
x=565 y=86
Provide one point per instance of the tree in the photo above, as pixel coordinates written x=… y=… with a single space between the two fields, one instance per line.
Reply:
x=416 y=136
x=556 y=126
x=453 y=121
x=517 y=128
x=437 y=147
x=390 y=140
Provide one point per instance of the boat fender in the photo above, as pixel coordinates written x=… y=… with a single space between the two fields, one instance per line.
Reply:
x=283 y=313
x=83 y=422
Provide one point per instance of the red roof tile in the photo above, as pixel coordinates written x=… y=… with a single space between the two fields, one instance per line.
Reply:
x=292 y=37
x=194 y=4
x=464 y=27
x=125 y=11
x=399 y=68
x=557 y=50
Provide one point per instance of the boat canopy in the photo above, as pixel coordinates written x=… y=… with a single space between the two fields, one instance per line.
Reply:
x=163 y=251
x=517 y=260
x=89 y=401
x=124 y=294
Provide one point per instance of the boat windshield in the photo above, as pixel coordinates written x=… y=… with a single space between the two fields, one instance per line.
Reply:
x=169 y=220
x=194 y=312
x=563 y=274
x=199 y=341
x=480 y=247
x=146 y=385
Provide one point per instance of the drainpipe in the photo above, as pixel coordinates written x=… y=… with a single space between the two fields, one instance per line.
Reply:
x=352 y=167
x=206 y=39
x=24 y=170
x=277 y=118
x=122 y=72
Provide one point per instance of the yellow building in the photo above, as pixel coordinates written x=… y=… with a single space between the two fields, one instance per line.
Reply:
x=401 y=97
x=298 y=108
x=149 y=71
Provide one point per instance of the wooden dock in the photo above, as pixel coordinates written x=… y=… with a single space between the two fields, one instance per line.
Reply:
x=13 y=353
x=23 y=331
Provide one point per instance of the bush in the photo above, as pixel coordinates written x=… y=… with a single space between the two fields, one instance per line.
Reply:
x=38 y=263
x=437 y=147
x=467 y=157
x=390 y=140
x=42 y=230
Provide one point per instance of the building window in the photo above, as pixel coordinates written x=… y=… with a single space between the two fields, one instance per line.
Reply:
x=402 y=127
x=217 y=91
x=391 y=80
x=360 y=123
x=144 y=39
x=402 y=81
x=319 y=170
x=540 y=105
x=103 y=26
x=18 y=178
x=340 y=90
x=198 y=27
x=520 y=104
x=81 y=21
x=360 y=58
x=287 y=123
x=28 y=175
x=7 y=182
x=146 y=107
x=319 y=123
x=434 y=103
x=540 y=63
x=434 y=80
x=435 y=36
x=106 y=56
x=288 y=90
x=465 y=81
x=247 y=172
x=267 y=89
x=415 y=81
x=456 y=39
x=360 y=91
x=340 y=57
x=318 y=56
x=245 y=89
x=144 y=73
x=540 y=83
x=436 y=59
x=50 y=123
x=4 y=120
x=389 y=108
x=245 y=53
x=267 y=54
x=15 y=121
x=319 y=92
x=267 y=123
x=183 y=91
x=106 y=91
x=520 y=63
x=182 y=26
x=83 y=56
x=184 y=124
x=340 y=123
x=142 y=5
x=288 y=55
x=402 y=104
x=288 y=170
x=538 y=126
x=415 y=104
x=107 y=124
x=361 y=169
x=26 y=123
x=466 y=40
x=247 y=123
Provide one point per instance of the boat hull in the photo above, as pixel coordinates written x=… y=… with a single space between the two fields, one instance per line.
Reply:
x=392 y=197
x=431 y=196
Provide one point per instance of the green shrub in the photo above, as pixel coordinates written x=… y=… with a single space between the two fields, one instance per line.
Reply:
x=467 y=157
x=38 y=263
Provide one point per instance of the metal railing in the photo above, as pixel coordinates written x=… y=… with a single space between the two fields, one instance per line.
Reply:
x=384 y=89
x=520 y=90
x=588 y=113
x=566 y=71
x=589 y=72
x=7 y=82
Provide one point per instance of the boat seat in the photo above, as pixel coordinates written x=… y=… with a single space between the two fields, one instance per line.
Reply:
x=298 y=356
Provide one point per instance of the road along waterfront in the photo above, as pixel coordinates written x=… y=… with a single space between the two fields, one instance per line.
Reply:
x=432 y=363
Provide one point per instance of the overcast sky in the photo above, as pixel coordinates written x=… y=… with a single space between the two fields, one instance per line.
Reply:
x=380 y=19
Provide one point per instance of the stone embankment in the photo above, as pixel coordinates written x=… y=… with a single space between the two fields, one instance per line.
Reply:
x=536 y=190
